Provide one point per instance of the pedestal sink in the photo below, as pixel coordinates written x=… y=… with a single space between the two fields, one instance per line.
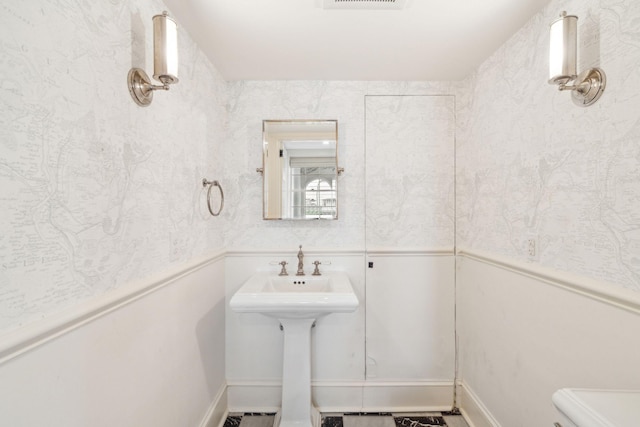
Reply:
x=296 y=301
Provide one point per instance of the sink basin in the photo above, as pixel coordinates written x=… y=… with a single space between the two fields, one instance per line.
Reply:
x=295 y=297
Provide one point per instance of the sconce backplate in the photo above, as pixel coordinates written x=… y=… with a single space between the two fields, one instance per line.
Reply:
x=591 y=84
x=140 y=87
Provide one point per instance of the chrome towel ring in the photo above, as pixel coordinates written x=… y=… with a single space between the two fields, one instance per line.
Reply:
x=211 y=184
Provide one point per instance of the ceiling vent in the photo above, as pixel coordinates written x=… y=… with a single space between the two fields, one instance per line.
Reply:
x=365 y=4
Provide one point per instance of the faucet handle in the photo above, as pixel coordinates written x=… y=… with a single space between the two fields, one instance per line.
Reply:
x=316 y=272
x=283 y=272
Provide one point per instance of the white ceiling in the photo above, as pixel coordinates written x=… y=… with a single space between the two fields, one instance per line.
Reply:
x=300 y=40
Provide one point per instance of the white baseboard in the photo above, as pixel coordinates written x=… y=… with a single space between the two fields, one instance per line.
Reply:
x=410 y=396
x=217 y=412
x=347 y=396
x=473 y=410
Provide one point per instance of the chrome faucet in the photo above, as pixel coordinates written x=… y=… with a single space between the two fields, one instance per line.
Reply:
x=300 y=271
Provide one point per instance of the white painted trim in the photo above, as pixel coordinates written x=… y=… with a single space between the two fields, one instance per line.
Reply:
x=347 y=396
x=473 y=410
x=608 y=293
x=338 y=383
x=375 y=251
x=33 y=335
x=426 y=251
x=247 y=252
x=217 y=412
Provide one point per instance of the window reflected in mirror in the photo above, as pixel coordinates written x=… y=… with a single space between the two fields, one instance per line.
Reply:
x=300 y=169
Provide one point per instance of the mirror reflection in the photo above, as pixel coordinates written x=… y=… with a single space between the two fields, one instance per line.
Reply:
x=300 y=169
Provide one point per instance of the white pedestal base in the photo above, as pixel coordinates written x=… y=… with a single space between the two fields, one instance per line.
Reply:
x=316 y=419
x=297 y=407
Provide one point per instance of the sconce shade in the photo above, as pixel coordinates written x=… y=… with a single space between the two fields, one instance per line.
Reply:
x=563 y=49
x=165 y=49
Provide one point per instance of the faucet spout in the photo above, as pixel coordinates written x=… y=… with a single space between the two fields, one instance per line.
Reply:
x=300 y=271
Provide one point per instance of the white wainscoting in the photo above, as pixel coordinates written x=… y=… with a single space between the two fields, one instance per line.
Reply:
x=410 y=315
x=474 y=411
x=526 y=331
x=406 y=309
x=151 y=354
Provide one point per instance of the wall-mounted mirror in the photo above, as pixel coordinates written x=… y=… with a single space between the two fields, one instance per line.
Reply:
x=300 y=169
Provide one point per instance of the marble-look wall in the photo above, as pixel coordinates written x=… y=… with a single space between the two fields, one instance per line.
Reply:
x=531 y=165
x=95 y=191
x=409 y=163
x=253 y=101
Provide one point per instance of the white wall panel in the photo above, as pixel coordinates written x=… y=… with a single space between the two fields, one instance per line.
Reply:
x=522 y=338
x=156 y=361
x=410 y=318
x=409 y=325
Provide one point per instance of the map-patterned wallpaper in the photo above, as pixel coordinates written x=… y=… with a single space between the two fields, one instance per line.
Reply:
x=531 y=165
x=96 y=192
x=253 y=101
x=410 y=171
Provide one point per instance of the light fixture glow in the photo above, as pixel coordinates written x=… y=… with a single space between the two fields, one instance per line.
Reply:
x=165 y=62
x=563 y=49
x=586 y=87
x=165 y=44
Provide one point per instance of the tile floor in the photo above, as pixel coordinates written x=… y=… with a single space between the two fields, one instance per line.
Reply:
x=423 y=419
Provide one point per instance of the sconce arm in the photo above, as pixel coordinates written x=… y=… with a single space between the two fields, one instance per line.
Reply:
x=158 y=87
x=141 y=88
x=582 y=87
x=587 y=87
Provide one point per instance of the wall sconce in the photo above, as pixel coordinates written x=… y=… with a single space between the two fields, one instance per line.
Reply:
x=165 y=62
x=586 y=87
